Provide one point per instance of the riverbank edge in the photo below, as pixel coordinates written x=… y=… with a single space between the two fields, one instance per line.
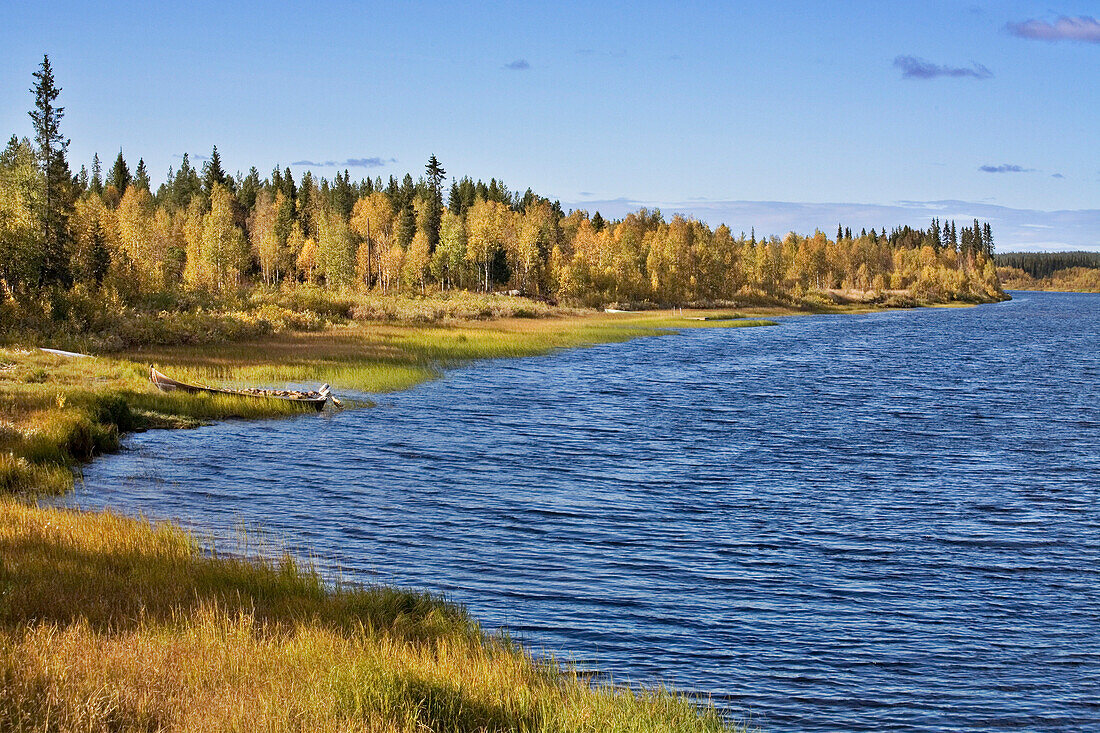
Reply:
x=108 y=424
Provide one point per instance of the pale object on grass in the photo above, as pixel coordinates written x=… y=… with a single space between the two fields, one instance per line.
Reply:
x=59 y=352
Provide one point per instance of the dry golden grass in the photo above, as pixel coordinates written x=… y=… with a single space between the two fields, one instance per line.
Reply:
x=112 y=624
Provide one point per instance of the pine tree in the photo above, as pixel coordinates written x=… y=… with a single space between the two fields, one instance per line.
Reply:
x=405 y=227
x=454 y=199
x=342 y=195
x=248 y=189
x=120 y=176
x=305 y=205
x=435 y=202
x=57 y=202
x=96 y=184
x=186 y=185
x=141 y=175
x=212 y=172
x=289 y=188
x=99 y=257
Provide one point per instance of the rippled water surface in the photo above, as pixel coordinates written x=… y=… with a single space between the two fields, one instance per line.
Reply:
x=880 y=522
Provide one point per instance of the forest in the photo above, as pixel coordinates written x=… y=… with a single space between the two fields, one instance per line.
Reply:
x=1045 y=264
x=1058 y=271
x=103 y=238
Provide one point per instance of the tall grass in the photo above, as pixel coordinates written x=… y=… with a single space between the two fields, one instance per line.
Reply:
x=109 y=623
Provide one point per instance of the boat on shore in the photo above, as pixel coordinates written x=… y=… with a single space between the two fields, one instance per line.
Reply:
x=315 y=399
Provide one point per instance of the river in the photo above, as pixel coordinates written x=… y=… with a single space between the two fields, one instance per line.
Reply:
x=882 y=522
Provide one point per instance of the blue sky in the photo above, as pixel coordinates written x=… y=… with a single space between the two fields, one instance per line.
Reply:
x=771 y=115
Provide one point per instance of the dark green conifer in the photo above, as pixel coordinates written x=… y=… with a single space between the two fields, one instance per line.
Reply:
x=141 y=175
x=58 y=197
x=406 y=225
x=435 y=174
x=212 y=172
x=248 y=189
x=120 y=176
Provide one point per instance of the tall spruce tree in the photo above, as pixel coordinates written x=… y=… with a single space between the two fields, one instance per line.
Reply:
x=248 y=189
x=186 y=185
x=57 y=202
x=405 y=228
x=436 y=175
x=212 y=172
x=96 y=184
x=141 y=175
x=120 y=176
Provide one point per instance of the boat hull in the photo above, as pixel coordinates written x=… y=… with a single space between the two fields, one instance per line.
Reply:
x=306 y=400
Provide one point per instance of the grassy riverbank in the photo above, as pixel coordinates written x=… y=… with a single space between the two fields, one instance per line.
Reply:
x=111 y=623
x=57 y=411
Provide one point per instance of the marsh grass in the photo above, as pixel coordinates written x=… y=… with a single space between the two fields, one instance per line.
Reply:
x=109 y=623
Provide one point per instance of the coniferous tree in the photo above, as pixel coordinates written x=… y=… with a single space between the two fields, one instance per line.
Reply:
x=248 y=189
x=342 y=195
x=454 y=200
x=405 y=227
x=212 y=173
x=96 y=184
x=99 y=257
x=141 y=175
x=120 y=176
x=289 y=188
x=435 y=202
x=306 y=200
x=186 y=185
x=57 y=201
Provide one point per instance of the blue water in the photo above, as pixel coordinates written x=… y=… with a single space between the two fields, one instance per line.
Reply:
x=880 y=522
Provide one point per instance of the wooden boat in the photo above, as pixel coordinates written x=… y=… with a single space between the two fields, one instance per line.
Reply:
x=315 y=399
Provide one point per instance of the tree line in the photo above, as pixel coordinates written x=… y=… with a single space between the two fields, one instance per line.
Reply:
x=1045 y=264
x=206 y=230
